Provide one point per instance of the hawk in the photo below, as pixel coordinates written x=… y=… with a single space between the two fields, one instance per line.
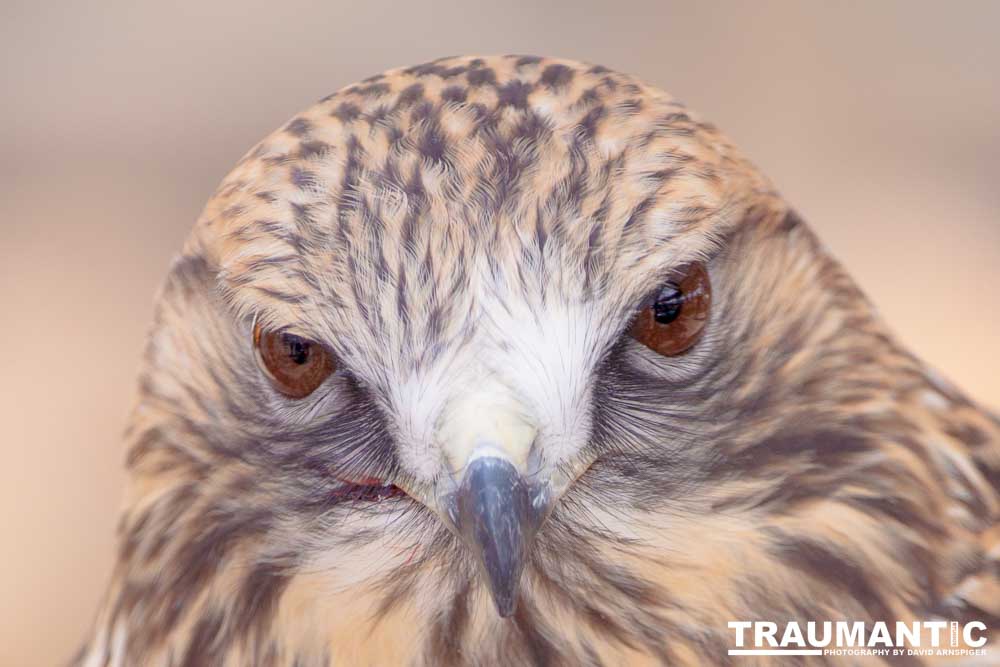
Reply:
x=516 y=360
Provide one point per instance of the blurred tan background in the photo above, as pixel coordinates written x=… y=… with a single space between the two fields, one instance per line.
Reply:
x=879 y=121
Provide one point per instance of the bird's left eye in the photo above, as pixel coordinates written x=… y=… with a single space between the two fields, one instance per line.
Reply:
x=676 y=318
x=295 y=365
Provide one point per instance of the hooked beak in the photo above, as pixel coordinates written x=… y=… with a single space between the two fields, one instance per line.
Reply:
x=497 y=512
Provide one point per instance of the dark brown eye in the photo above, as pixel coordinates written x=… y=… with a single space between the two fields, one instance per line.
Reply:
x=295 y=365
x=675 y=319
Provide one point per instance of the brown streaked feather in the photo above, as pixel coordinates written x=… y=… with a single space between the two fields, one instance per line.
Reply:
x=796 y=464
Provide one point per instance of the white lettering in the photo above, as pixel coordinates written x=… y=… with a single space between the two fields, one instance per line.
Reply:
x=967 y=633
x=853 y=637
x=793 y=633
x=880 y=635
x=827 y=634
x=936 y=627
x=907 y=635
x=739 y=626
x=765 y=630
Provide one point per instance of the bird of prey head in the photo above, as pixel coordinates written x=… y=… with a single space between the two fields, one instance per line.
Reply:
x=514 y=360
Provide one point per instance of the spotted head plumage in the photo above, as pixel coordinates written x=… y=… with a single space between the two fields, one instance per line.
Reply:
x=498 y=463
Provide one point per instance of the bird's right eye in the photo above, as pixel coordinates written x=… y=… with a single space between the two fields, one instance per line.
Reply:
x=296 y=366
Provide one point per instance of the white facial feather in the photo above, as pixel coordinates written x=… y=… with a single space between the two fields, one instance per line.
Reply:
x=521 y=386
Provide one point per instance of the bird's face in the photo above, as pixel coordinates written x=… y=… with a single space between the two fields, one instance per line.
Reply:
x=484 y=407
x=418 y=352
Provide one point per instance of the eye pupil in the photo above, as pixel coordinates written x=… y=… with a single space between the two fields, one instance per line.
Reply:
x=298 y=349
x=668 y=306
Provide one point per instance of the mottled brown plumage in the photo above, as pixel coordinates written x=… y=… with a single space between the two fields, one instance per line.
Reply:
x=489 y=227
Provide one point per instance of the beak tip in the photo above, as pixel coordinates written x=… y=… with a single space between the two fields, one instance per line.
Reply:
x=506 y=606
x=503 y=583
